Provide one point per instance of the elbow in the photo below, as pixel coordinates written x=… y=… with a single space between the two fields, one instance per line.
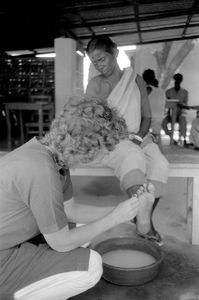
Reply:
x=58 y=247
x=61 y=246
x=61 y=241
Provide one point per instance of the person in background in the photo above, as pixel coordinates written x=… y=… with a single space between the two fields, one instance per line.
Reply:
x=194 y=132
x=40 y=255
x=137 y=160
x=181 y=94
x=157 y=102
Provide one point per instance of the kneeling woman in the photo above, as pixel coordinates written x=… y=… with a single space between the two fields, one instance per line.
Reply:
x=36 y=200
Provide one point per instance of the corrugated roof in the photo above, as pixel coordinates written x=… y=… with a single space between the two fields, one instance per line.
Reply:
x=36 y=24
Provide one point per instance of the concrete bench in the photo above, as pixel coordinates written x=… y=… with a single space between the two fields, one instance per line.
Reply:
x=188 y=170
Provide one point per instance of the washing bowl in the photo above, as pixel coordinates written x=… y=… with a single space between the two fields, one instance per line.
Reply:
x=129 y=275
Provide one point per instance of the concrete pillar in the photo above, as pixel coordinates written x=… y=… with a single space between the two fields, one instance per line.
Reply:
x=65 y=71
x=79 y=75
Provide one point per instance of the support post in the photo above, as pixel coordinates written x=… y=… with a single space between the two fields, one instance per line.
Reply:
x=65 y=71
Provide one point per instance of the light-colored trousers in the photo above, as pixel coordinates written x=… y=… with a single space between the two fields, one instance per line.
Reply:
x=65 y=285
x=135 y=165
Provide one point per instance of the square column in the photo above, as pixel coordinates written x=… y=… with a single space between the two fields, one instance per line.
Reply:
x=65 y=71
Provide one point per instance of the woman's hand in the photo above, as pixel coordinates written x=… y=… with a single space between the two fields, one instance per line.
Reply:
x=126 y=210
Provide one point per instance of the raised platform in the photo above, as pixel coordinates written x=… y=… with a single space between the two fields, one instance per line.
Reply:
x=183 y=163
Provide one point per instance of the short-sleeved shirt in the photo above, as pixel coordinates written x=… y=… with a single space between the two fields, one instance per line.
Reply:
x=181 y=95
x=32 y=194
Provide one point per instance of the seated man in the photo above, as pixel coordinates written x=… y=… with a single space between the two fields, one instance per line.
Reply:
x=177 y=92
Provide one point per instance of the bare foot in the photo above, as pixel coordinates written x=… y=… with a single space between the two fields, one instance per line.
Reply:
x=146 y=200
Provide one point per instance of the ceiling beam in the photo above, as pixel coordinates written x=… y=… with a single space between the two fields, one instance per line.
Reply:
x=136 y=9
x=93 y=5
x=194 y=6
x=130 y=18
x=173 y=27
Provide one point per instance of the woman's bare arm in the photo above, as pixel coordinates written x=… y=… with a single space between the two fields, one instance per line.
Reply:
x=146 y=115
x=66 y=240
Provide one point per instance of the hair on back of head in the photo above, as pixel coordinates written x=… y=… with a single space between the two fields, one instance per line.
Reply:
x=149 y=77
x=178 y=77
x=85 y=128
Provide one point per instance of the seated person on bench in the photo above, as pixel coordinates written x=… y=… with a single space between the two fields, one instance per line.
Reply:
x=181 y=94
x=137 y=160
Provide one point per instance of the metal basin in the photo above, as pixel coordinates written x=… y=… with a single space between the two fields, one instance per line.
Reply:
x=130 y=276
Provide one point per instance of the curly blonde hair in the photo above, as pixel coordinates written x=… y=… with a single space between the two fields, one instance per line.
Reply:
x=84 y=129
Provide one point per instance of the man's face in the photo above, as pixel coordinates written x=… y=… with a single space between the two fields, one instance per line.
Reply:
x=103 y=62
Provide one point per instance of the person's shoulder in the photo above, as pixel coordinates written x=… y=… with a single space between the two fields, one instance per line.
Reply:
x=159 y=90
x=93 y=86
x=96 y=79
x=139 y=80
x=24 y=162
x=184 y=90
x=169 y=90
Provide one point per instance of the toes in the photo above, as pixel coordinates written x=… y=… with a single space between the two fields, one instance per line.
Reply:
x=140 y=191
x=150 y=188
x=145 y=187
x=134 y=196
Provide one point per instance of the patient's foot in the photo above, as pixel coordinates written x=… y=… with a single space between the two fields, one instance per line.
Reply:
x=146 y=200
x=145 y=228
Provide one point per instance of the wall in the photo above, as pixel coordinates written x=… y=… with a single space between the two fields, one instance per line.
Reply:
x=144 y=59
x=190 y=70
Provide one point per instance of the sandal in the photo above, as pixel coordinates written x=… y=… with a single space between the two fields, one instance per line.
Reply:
x=153 y=237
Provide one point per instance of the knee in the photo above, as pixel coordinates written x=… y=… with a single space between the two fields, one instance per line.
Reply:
x=95 y=269
x=156 y=159
x=160 y=166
